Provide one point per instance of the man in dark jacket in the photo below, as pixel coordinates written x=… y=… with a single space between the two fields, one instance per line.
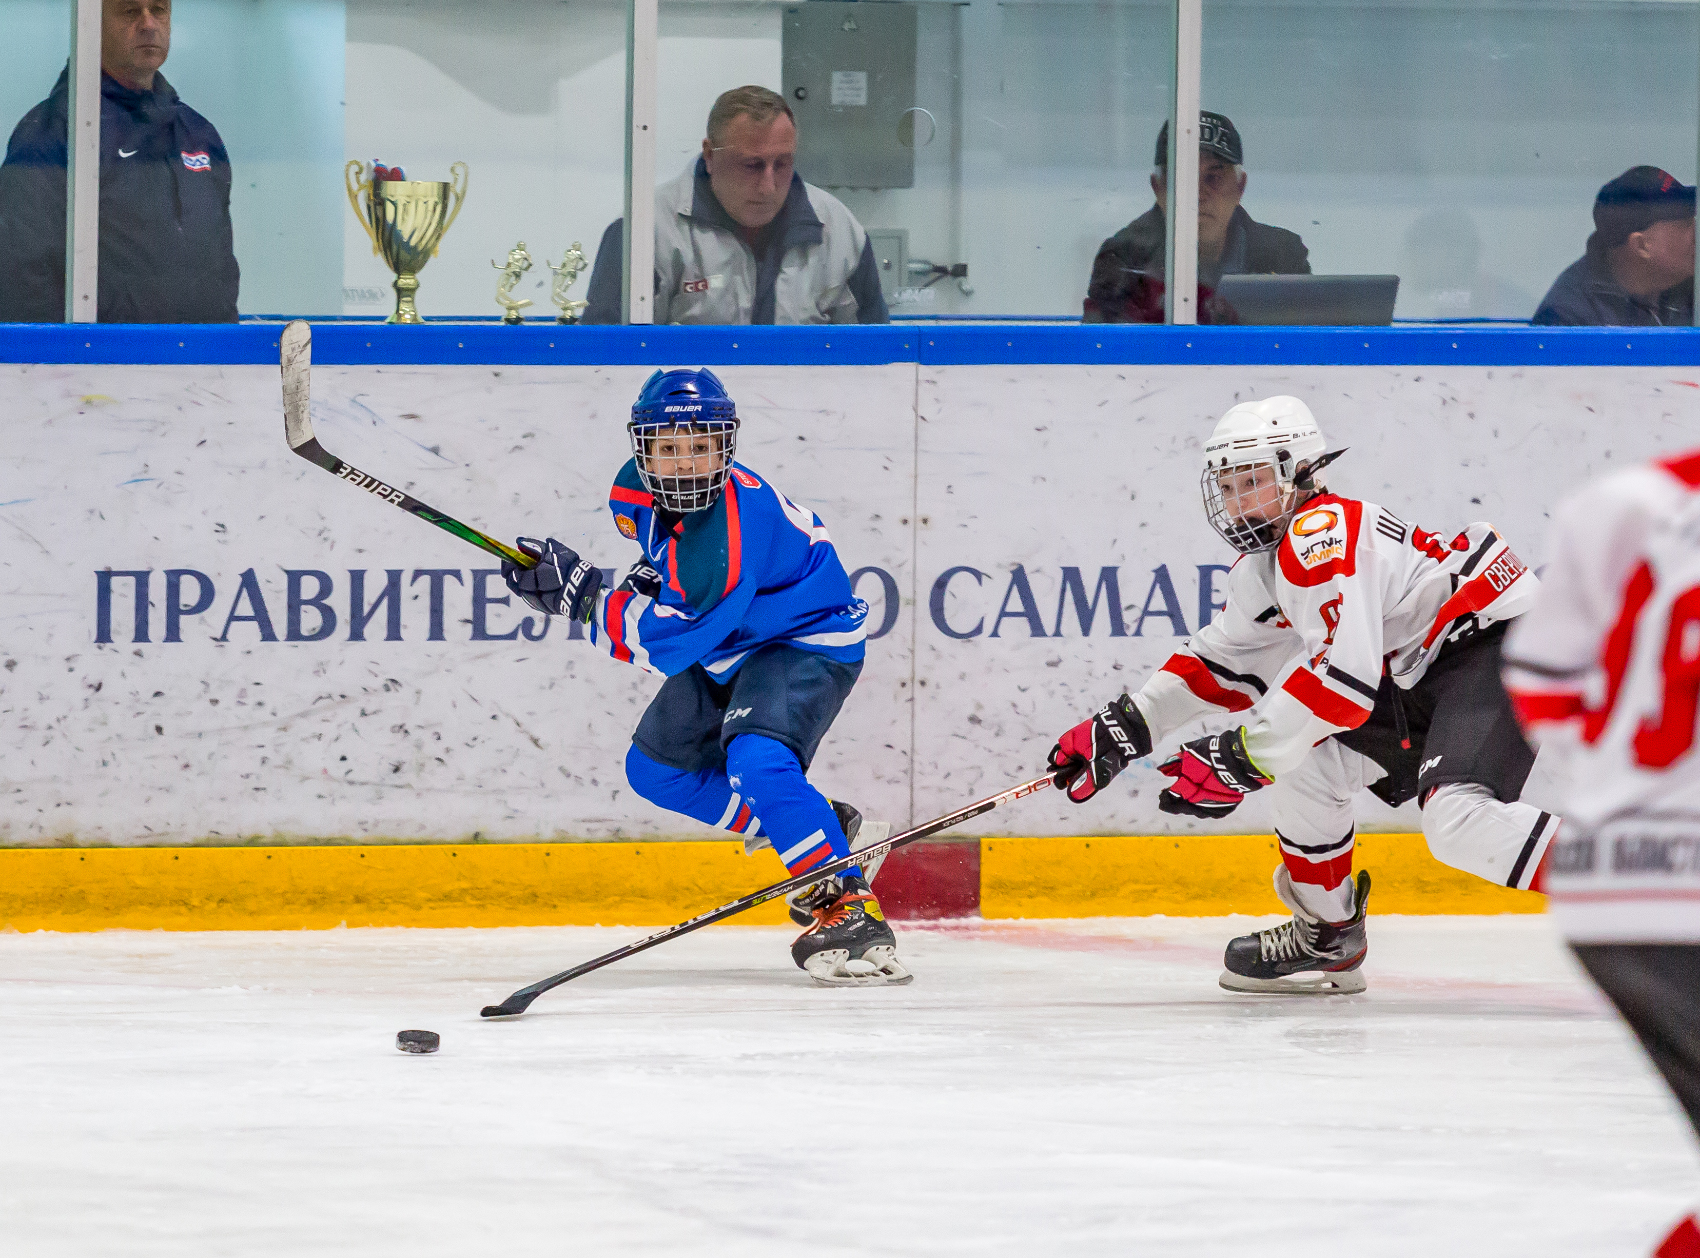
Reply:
x=166 y=253
x=1638 y=267
x=1127 y=275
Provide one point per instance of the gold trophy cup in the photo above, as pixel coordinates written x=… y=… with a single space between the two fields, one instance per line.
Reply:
x=406 y=219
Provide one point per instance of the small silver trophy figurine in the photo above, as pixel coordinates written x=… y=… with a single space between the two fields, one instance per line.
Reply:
x=518 y=263
x=565 y=276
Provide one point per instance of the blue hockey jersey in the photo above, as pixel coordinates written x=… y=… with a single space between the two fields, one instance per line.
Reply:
x=753 y=569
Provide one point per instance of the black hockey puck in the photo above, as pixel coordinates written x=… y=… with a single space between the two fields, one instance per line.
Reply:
x=418 y=1041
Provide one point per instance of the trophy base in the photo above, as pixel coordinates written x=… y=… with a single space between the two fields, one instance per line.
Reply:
x=513 y=318
x=406 y=284
x=566 y=318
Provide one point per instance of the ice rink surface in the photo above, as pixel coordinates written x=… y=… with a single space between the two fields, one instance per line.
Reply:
x=1042 y=1088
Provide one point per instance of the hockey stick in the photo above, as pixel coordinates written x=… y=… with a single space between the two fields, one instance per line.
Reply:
x=296 y=360
x=521 y=1000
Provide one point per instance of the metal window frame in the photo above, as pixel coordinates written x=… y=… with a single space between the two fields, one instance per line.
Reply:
x=82 y=167
x=643 y=39
x=1180 y=291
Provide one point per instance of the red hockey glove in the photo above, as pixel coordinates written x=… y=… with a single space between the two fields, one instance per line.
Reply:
x=1212 y=775
x=1091 y=754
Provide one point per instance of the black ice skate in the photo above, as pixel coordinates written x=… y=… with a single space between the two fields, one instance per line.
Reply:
x=850 y=943
x=1306 y=956
x=803 y=904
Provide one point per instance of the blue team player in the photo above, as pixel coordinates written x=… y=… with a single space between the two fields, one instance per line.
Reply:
x=741 y=601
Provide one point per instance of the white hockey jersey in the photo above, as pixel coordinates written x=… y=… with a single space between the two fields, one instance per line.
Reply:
x=1608 y=665
x=1309 y=628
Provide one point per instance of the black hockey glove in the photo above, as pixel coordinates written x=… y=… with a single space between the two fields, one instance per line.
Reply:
x=1212 y=775
x=561 y=584
x=1089 y=756
x=643 y=579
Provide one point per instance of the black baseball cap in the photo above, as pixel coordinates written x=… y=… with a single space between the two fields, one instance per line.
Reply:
x=1638 y=198
x=1215 y=135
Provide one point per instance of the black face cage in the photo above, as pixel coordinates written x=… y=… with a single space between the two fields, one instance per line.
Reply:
x=702 y=486
x=1227 y=509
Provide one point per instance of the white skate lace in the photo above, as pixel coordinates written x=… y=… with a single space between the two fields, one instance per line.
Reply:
x=1289 y=940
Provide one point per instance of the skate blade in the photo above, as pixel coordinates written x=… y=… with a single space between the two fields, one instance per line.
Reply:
x=1315 y=983
x=878 y=967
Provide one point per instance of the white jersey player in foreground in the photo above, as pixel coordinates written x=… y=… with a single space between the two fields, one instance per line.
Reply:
x=1363 y=652
x=1608 y=666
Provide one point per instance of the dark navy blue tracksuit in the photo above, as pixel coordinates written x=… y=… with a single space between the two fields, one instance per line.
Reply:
x=166 y=252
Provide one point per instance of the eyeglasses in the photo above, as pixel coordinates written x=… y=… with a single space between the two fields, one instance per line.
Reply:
x=755 y=167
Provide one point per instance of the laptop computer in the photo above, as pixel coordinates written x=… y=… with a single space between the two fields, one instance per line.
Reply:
x=1339 y=300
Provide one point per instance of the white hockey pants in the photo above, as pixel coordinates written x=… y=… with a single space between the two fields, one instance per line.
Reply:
x=1466 y=827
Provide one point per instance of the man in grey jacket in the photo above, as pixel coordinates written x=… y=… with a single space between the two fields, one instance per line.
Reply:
x=740 y=238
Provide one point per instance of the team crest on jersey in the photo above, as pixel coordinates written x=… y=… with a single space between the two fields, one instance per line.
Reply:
x=1318 y=521
x=627 y=527
x=745 y=479
x=197 y=160
x=1326 y=544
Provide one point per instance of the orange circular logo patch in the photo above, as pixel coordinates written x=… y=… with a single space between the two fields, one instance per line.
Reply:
x=1318 y=521
x=627 y=527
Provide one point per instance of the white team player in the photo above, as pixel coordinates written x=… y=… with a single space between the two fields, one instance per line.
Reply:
x=1607 y=666
x=1362 y=652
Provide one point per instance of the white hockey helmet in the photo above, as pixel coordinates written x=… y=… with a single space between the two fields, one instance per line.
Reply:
x=1251 y=507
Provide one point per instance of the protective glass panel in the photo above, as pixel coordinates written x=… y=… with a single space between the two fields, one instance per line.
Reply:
x=1459 y=146
x=530 y=95
x=505 y=121
x=32 y=182
x=981 y=151
x=1066 y=217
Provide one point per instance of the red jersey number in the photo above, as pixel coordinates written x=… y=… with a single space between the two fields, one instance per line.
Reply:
x=1330 y=612
x=1661 y=742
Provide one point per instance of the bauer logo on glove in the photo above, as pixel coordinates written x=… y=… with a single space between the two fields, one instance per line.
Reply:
x=1087 y=758
x=561 y=584
x=1211 y=776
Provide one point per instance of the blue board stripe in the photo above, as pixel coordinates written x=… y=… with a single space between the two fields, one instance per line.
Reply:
x=541 y=344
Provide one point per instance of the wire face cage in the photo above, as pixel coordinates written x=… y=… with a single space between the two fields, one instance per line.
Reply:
x=1249 y=504
x=684 y=465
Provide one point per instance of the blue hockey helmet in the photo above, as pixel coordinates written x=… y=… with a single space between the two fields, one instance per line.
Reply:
x=684 y=432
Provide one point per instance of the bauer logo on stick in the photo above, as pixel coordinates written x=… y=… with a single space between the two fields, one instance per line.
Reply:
x=371 y=484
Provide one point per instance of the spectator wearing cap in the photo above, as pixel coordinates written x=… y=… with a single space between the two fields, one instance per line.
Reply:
x=740 y=238
x=1638 y=268
x=166 y=247
x=1127 y=275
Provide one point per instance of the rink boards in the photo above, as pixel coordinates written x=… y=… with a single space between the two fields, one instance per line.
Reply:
x=212 y=643
x=311 y=665
x=653 y=884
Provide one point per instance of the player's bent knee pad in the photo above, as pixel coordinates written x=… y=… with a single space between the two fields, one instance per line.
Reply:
x=764 y=765
x=659 y=783
x=1452 y=814
x=1468 y=827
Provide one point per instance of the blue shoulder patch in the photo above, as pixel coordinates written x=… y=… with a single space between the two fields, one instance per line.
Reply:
x=626 y=497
